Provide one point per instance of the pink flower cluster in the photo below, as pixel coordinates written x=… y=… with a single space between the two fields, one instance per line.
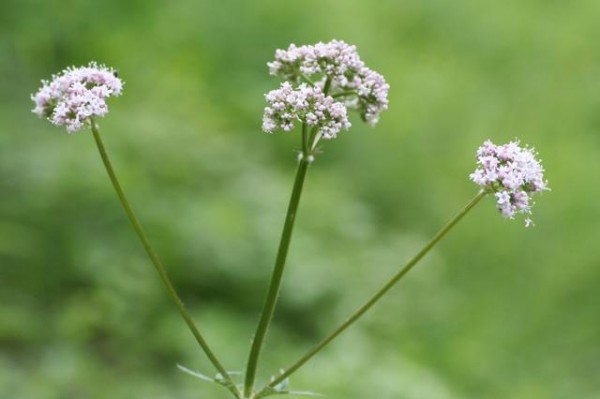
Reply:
x=338 y=63
x=77 y=94
x=336 y=59
x=307 y=104
x=512 y=173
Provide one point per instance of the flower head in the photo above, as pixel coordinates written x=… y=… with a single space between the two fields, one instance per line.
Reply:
x=305 y=104
x=77 y=94
x=512 y=173
x=336 y=65
x=335 y=58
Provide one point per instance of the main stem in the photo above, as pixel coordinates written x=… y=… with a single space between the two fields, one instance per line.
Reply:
x=364 y=308
x=156 y=261
x=273 y=292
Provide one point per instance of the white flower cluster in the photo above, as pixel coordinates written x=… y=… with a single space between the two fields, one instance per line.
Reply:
x=372 y=95
x=512 y=173
x=76 y=94
x=338 y=63
x=335 y=59
x=306 y=104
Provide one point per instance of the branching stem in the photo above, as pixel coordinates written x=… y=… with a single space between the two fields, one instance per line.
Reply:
x=376 y=297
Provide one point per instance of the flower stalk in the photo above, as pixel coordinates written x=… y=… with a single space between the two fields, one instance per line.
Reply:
x=157 y=262
x=376 y=297
x=274 y=286
x=301 y=99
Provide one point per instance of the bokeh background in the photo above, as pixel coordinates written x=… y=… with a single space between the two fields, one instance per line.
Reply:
x=495 y=311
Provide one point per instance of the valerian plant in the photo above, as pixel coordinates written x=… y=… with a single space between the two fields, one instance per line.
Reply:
x=322 y=83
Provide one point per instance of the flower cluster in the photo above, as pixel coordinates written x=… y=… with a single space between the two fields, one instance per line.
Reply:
x=307 y=104
x=77 y=94
x=337 y=69
x=372 y=95
x=336 y=59
x=512 y=173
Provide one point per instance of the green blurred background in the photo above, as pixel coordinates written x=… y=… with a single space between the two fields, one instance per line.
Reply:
x=496 y=311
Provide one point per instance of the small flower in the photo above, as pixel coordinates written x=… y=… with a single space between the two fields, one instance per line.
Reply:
x=77 y=94
x=338 y=63
x=305 y=104
x=512 y=173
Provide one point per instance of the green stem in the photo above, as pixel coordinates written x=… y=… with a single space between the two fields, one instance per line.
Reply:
x=314 y=138
x=156 y=261
x=344 y=93
x=305 y=146
x=306 y=79
x=327 y=86
x=273 y=292
x=360 y=311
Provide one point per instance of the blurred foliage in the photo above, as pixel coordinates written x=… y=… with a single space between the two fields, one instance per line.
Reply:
x=496 y=311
